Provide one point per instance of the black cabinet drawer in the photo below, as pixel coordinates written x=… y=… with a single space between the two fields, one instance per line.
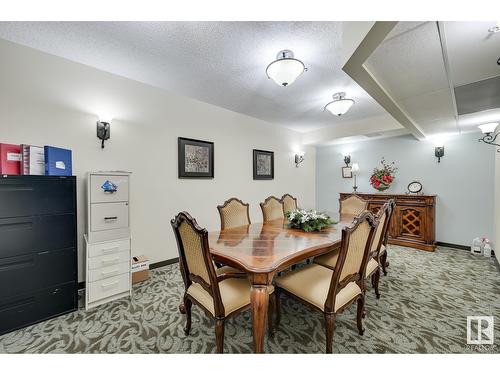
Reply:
x=36 y=195
x=17 y=312
x=27 y=273
x=24 y=235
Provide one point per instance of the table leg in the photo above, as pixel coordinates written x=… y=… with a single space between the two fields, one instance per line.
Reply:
x=260 y=304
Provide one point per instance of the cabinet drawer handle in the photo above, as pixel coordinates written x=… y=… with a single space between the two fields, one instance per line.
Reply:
x=104 y=286
x=110 y=271
x=111 y=218
x=110 y=249
x=110 y=261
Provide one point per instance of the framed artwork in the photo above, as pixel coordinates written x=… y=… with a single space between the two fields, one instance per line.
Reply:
x=346 y=172
x=263 y=165
x=195 y=158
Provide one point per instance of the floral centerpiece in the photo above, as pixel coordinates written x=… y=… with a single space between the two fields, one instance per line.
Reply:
x=383 y=177
x=308 y=220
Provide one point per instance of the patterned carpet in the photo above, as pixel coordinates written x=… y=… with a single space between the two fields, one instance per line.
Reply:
x=426 y=298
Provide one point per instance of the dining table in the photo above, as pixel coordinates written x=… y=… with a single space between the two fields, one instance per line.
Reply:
x=262 y=250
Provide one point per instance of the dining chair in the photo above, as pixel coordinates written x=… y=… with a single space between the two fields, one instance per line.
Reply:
x=234 y=213
x=353 y=205
x=221 y=293
x=289 y=203
x=383 y=248
x=272 y=209
x=332 y=291
x=373 y=266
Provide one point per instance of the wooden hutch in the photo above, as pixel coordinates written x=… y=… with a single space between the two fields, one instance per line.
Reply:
x=413 y=222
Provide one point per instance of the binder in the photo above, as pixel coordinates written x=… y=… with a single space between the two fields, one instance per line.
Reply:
x=32 y=160
x=58 y=161
x=25 y=159
x=10 y=159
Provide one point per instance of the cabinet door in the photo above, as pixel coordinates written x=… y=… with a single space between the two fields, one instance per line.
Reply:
x=410 y=223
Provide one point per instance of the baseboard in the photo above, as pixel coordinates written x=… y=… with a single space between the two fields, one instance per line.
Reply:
x=453 y=245
x=152 y=266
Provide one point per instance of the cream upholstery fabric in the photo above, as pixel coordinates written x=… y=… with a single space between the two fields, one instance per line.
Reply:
x=372 y=266
x=382 y=249
x=353 y=205
x=378 y=232
x=312 y=282
x=272 y=209
x=329 y=259
x=356 y=250
x=234 y=214
x=235 y=293
x=289 y=203
x=193 y=250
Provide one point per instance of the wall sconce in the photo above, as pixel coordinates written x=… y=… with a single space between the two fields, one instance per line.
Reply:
x=439 y=152
x=103 y=131
x=347 y=160
x=355 y=170
x=489 y=134
x=299 y=158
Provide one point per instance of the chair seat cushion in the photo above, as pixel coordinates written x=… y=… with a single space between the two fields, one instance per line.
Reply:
x=312 y=282
x=235 y=293
x=328 y=259
x=371 y=267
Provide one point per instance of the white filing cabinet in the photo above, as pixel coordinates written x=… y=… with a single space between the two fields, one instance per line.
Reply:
x=107 y=242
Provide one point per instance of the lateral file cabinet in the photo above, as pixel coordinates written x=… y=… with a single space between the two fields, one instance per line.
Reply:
x=38 y=259
x=108 y=254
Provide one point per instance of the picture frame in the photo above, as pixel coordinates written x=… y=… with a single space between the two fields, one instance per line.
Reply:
x=346 y=172
x=263 y=165
x=195 y=158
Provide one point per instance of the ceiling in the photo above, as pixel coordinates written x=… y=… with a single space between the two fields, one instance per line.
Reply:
x=222 y=63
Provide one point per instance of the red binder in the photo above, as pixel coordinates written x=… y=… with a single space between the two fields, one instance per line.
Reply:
x=10 y=159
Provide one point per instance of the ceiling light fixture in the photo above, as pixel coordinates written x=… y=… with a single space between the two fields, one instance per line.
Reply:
x=489 y=133
x=285 y=69
x=495 y=29
x=340 y=105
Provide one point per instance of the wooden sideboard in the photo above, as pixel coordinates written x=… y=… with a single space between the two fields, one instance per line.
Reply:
x=413 y=222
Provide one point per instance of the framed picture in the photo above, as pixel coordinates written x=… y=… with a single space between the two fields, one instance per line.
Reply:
x=263 y=165
x=346 y=172
x=195 y=158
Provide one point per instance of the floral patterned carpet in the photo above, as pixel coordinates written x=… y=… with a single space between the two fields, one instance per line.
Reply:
x=426 y=298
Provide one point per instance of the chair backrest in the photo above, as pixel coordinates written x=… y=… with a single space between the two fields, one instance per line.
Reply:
x=272 y=209
x=392 y=203
x=353 y=205
x=194 y=257
x=289 y=203
x=353 y=256
x=382 y=217
x=234 y=213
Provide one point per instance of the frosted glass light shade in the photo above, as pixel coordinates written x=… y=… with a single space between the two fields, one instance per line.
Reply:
x=339 y=105
x=355 y=167
x=488 y=128
x=286 y=69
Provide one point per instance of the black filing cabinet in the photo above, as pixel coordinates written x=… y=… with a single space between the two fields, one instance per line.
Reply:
x=38 y=249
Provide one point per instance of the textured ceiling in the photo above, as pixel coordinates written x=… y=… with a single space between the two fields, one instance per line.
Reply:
x=222 y=63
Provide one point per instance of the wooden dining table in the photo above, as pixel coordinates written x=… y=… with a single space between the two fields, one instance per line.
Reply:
x=264 y=249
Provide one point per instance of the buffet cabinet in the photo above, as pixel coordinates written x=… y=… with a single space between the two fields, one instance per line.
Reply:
x=413 y=221
x=38 y=259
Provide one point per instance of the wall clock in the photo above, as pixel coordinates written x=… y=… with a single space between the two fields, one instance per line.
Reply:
x=414 y=187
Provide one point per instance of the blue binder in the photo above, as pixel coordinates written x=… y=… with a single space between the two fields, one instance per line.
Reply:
x=57 y=161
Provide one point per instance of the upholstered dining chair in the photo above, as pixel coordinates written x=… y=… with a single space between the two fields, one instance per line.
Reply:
x=272 y=209
x=234 y=213
x=332 y=291
x=383 y=248
x=353 y=205
x=373 y=266
x=222 y=292
x=289 y=203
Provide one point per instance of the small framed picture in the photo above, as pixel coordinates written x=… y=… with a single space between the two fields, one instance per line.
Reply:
x=195 y=158
x=346 y=172
x=263 y=165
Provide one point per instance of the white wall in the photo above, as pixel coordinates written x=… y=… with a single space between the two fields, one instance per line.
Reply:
x=48 y=100
x=463 y=181
x=497 y=206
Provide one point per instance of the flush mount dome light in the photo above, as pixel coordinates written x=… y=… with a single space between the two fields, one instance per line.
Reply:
x=285 y=69
x=339 y=105
x=495 y=29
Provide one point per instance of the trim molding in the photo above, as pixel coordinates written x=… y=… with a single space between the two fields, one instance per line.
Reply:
x=453 y=245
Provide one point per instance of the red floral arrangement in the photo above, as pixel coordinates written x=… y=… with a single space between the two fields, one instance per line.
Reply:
x=382 y=178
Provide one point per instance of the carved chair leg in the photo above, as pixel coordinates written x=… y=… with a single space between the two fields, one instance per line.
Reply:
x=277 y=294
x=384 y=262
x=187 y=308
x=270 y=314
x=360 y=313
x=330 y=326
x=219 y=335
x=376 y=282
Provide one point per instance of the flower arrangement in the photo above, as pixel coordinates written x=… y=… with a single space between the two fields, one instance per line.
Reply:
x=383 y=177
x=308 y=220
